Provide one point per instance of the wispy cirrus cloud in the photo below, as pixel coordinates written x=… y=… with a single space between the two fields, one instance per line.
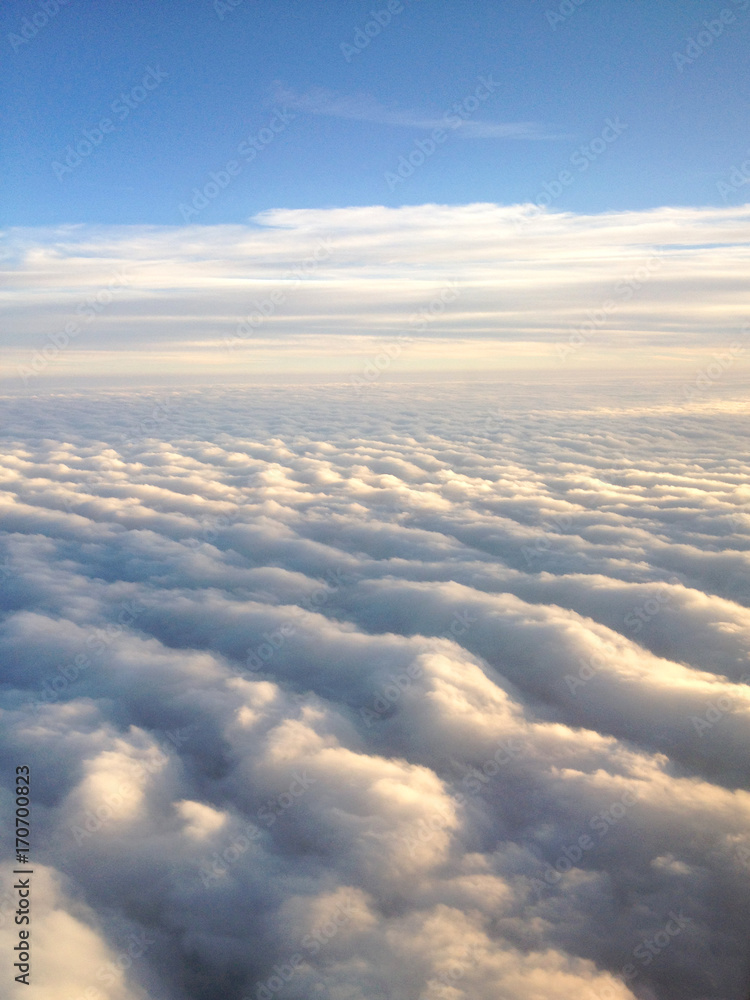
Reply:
x=365 y=108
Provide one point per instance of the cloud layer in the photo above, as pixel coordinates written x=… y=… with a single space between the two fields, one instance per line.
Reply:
x=437 y=694
x=478 y=287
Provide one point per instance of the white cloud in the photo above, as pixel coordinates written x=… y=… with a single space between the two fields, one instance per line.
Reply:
x=374 y=292
x=364 y=108
x=436 y=689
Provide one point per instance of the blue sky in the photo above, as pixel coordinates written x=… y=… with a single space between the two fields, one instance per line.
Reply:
x=252 y=189
x=221 y=72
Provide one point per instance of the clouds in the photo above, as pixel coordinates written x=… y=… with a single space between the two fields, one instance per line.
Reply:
x=326 y=291
x=363 y=107
x=337 y=695
x=64 y=929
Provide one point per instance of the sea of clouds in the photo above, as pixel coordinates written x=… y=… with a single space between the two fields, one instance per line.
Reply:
x=412 y=693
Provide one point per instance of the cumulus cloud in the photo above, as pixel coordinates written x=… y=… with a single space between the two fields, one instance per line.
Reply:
x=323 y=694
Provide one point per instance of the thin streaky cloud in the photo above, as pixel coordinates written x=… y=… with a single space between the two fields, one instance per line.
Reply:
x=365 y=108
